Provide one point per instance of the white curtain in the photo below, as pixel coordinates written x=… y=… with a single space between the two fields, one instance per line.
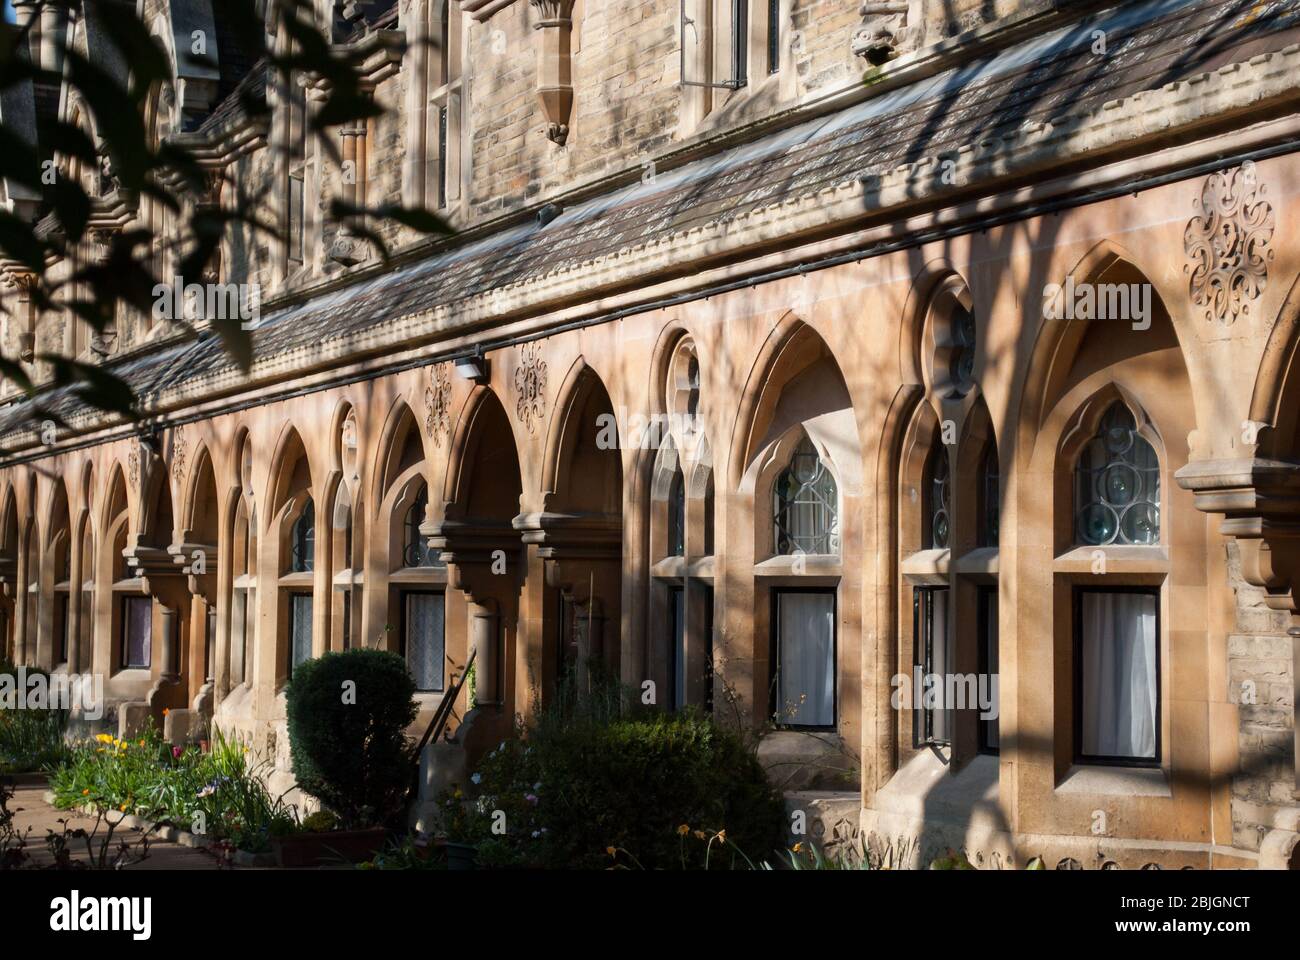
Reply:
x=806 y=671
x=425 y=628
x=1119 y=675
x=300 y=621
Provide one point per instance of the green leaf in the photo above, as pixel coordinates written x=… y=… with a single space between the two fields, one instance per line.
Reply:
x=94 y=385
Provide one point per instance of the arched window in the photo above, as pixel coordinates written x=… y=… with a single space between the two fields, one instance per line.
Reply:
x=938 y=503
x=677 y=516
x=806 y=505
x=303 y=540
x=1117 y=485
x=988 y=494
x=962 y=356
x=415 y=548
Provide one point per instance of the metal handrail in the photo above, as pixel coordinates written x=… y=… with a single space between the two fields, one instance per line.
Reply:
x=440 y=717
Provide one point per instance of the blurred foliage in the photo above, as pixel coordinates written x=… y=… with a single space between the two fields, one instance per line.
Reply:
x=169 y=174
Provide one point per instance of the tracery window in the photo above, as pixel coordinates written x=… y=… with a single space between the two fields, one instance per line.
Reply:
x=415 y=549
x=806 y=505
x=303 y=540
x=1117 y=484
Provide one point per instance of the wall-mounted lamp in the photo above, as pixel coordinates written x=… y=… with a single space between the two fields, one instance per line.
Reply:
x=473 y=367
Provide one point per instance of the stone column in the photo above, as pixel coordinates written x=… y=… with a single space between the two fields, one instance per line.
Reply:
x=484 y=637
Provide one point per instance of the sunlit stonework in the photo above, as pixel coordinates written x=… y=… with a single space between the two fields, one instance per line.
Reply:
x=437 y=403
x=530 y=387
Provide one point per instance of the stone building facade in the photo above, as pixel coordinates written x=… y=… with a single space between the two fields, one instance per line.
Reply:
x=785 y=353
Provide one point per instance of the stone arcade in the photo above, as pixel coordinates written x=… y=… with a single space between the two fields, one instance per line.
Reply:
x=823 y=234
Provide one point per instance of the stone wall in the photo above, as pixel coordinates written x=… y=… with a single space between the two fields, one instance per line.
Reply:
x=1260 y=683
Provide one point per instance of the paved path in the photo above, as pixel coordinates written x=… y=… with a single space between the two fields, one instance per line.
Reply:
x=33 y=812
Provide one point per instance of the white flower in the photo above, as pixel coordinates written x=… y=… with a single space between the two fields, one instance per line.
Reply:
x=476 y=779
x=536 y=834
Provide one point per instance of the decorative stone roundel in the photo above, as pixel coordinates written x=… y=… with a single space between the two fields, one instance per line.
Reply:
x=530 y=387
x=1227 y=245
x=437 y=402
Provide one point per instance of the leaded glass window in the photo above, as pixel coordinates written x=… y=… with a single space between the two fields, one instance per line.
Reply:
x=677 y=516
x=806 y=505
x=416 y=551
x=939 y=503
x=303 y=540
x=962 y=369
x=988 y=493
x=1117 y=485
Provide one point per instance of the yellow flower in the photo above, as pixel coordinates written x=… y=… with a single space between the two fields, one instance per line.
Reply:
x=142 y=743
x=722 y=836
x=699 y=834
x=611 y=851
x=683 y=830
x=797 y=848
x=122 y=808
x=103 y=738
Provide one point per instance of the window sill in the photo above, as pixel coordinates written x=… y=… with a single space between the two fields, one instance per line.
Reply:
x=349 y=578
x=1116 y=559
x=928 y=567
x=302 y=579
x=1084 y=780
x=981 y=562
x=789 y=565
x=431 y=576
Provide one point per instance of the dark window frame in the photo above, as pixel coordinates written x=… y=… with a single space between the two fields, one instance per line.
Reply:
x=985 y=595
x=125 y=649
x=402 y=598
x=1077 y=681
x=675 y=591
x=922 y=717
x=774 y=658
x=292 y=594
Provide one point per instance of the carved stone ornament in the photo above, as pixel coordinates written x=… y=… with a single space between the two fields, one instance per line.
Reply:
x=554 y=66
x=437 y=402
x=1228 y=244
x=133 y=466
x=884 y=32
x=178 y=456
x=530 y=385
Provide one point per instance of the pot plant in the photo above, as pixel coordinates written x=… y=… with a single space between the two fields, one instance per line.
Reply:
x=348 y=714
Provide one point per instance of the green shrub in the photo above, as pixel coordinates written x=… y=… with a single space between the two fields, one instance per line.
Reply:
x=31 y=740
x=667 y=791
x=348 y=714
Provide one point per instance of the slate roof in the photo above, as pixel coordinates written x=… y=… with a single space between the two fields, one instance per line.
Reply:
x=1149 y=44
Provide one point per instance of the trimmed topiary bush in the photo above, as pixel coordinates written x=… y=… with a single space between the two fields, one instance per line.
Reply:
x=663 y=791
x=348 y=714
